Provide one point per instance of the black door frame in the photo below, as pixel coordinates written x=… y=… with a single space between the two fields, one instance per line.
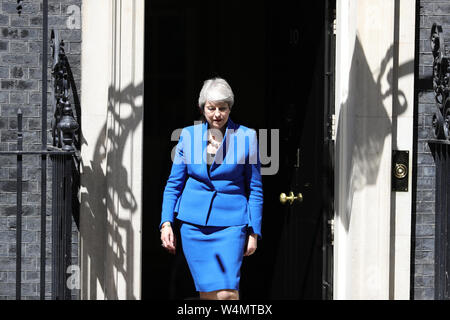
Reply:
x=329 y=149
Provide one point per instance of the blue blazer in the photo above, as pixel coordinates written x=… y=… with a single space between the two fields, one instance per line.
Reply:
x=229 y=193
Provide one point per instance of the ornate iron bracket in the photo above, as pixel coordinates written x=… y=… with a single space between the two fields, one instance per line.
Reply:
x=65 y=129
x=441 y=73
x=64 y=125
x=19 y=6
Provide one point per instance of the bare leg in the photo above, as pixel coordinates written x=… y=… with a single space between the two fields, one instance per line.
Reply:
x=225 y=294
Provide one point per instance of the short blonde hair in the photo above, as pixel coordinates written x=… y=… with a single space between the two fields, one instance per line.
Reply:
x=216 y=90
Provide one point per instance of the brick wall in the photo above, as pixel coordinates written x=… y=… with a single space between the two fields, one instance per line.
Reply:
x=20 y=87
x=430 y=11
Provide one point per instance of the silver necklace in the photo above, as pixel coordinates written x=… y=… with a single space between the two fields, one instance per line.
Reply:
x=213 y=142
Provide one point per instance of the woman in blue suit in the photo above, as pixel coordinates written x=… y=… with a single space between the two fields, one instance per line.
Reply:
x=215 y=188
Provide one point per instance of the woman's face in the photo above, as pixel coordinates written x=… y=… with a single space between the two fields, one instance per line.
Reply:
x=216 y=113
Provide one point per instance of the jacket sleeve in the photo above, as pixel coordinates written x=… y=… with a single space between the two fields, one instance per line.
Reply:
x=175 y=183
x=254 y=185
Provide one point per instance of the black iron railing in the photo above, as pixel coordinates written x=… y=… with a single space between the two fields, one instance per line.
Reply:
x=441 y=76
x=64 y=155
x=441 y=154
x=62 y=197
x=440 y=148
x=62 y=218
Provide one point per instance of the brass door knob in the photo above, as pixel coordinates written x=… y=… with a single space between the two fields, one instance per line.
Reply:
x=291 y=197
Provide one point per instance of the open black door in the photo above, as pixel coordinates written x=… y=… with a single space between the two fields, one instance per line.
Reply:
x=296 y=199
x=274 y=55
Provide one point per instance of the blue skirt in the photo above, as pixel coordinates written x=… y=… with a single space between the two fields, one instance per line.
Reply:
x=214 y=255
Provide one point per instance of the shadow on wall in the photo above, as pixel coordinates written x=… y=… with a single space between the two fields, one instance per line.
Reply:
x=108 y=202
x=364 y=123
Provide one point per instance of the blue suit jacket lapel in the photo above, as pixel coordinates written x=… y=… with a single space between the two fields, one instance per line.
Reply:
x=222 y=147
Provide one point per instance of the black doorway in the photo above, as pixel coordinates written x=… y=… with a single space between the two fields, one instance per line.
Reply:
x=272 y=54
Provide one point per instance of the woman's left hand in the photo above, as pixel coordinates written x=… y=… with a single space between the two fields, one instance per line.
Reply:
x=251 y=244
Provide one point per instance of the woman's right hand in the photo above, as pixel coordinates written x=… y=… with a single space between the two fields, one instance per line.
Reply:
x=168 y=239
